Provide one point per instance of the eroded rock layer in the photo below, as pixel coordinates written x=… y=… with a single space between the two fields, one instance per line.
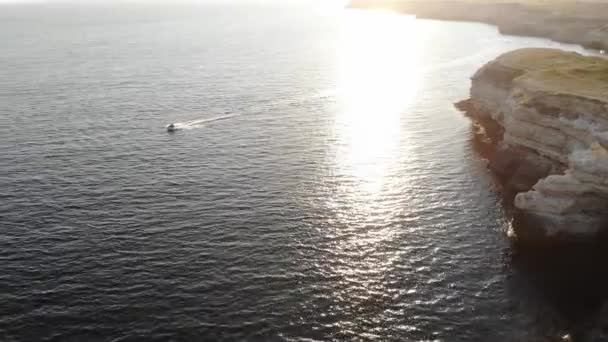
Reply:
x=552 y=107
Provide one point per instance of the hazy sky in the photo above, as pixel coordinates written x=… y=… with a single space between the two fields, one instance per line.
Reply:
x=166 y=1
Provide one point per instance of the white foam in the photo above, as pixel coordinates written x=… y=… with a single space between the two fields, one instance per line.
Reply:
x=202 y=122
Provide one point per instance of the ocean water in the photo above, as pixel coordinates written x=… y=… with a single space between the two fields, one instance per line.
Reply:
x=321 y=186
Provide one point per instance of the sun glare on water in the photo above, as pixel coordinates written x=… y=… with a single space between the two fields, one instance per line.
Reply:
x=378 y=76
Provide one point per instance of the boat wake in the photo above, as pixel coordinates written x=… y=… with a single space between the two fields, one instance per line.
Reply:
x=201 y=122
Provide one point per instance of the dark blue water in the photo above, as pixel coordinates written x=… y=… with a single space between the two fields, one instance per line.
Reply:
x=321 y=185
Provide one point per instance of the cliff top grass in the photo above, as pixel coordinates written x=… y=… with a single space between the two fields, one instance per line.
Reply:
x=560 y=72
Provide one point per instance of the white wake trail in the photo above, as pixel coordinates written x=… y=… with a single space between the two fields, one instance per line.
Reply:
x=201 y=122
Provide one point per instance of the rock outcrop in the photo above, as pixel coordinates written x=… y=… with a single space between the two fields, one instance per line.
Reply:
x=551 y=150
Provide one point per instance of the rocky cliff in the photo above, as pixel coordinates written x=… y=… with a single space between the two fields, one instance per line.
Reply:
x=546 y=112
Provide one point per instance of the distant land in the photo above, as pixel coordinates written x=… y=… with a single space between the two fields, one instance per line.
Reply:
x=577 y=22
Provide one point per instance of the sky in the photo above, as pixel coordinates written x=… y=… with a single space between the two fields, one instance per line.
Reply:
x=156 y=1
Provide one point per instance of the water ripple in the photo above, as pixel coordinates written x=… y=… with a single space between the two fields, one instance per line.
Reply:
x=300 y=216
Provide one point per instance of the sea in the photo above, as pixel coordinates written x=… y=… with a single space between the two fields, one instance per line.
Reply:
x=320 y=185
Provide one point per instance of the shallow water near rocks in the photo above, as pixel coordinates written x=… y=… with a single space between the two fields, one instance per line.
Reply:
x=342 y=199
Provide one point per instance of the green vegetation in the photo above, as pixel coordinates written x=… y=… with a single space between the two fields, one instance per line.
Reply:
x=561 y=72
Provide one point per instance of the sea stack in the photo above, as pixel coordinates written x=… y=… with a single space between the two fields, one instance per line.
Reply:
x=546 y=113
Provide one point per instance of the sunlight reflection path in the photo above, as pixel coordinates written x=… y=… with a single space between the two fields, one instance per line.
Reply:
x=378 y=76
x=378 y=73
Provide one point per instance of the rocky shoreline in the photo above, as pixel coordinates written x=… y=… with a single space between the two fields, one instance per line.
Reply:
x=544 y=114
x=540 y=115
x=575 y=22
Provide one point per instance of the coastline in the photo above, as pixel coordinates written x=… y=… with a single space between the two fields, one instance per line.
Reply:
x=544 y=112
x=582 y=23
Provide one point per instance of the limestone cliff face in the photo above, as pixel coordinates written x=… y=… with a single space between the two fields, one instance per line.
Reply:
x=553 y=110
